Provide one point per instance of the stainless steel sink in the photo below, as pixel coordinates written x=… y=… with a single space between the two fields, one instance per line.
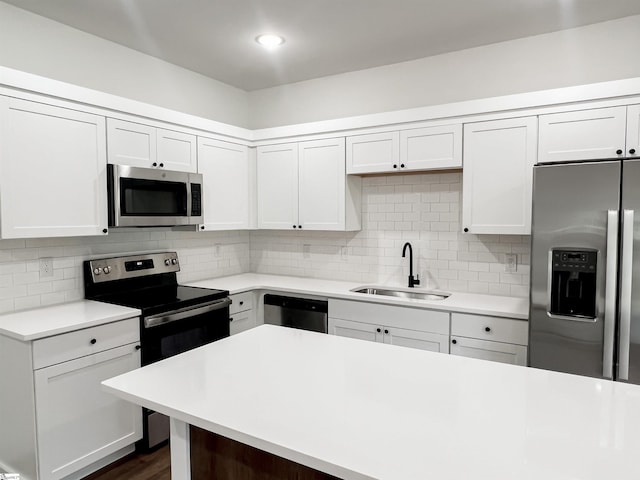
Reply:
x=420 y=295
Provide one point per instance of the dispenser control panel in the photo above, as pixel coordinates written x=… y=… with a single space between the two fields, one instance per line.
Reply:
x=572 y=292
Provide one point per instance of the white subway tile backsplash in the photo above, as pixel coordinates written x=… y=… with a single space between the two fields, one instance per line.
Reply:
x=443 y=256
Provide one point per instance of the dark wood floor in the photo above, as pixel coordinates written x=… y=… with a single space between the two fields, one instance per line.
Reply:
x=152 y=466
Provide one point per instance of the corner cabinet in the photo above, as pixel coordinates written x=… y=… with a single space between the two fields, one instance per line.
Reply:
x=304 y=186
x=418 y=149
x=58 y=422
x=403 y=326
x=139 y=145
x=53 y=180
x=592 y=134
x=489 y=338
x=497 y=176
x=225 y=169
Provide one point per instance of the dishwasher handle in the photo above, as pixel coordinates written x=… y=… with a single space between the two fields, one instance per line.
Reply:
x=296 y=303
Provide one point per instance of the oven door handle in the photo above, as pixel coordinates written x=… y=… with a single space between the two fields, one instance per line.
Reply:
x=162 y=318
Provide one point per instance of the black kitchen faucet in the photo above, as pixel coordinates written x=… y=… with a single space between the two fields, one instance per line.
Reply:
x=412 y=281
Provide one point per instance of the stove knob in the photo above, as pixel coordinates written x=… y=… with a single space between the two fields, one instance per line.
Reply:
x=174 y=261
x=167 y=262
x=97 y=271
x=107 y=270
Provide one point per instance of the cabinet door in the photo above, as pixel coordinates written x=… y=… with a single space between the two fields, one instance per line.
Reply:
x=225 y=170
x=277 y=172
x=633 y=131
x=433 y=342
x=241 y=321
x=53 y=179
x=176 y=151
x=77 y=423
x=582 y=135
x=431 y=148
x=131 y=144
x=497 y=176
x=378 y=152
x=321 y=184
x=486 y=350
x=361 y=331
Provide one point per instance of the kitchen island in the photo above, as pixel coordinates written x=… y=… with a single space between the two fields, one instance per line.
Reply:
x=362 y=410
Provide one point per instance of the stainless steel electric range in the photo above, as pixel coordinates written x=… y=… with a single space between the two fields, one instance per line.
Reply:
x=175 y=318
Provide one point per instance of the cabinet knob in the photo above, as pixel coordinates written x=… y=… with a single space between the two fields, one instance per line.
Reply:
x=162 y=165
x=241 y=303
x=154 y=164
x=454 y=341
x=487 y=329
x=231 y=319
x=386 y=331
x=104 y=230
x=632 y=151
x=465 y=230
x=93 y=341
x=619 y=152
x=138 y=347
x=201 y=227
x=299 y=226
x=395 y=166
x=378 y=330
x=295 y=226
x=402 y=165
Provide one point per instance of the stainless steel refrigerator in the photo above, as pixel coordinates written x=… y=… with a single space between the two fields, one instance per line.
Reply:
x=585 y=269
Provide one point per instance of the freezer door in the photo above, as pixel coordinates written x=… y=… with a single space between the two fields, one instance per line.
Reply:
x=575 y=219
x=629 y=330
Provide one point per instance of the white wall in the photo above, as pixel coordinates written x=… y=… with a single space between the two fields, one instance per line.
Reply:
x=37 y=45
x=202 y=255
x=595 y=53
x=421 y=209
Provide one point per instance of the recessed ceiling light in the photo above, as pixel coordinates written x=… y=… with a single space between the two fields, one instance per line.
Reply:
x=269 y=40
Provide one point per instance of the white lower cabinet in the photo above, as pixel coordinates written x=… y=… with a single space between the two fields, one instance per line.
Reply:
x=489 y=338
x=404 y=326
x=57 y=422
x=242 y=315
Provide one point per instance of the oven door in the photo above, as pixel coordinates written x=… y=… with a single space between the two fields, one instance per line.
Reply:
x=153 y=197
x=171 y=333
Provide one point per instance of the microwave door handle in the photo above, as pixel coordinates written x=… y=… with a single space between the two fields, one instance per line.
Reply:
x=189 y=202
x=610 y=293
x=626 y=277
x=167 y=317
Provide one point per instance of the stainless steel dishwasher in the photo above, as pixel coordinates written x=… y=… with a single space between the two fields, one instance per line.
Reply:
x=303 y=313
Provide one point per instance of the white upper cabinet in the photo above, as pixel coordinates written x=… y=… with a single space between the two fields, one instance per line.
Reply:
x=53 y=179
x=497 y=176
x=225 y=170
x=583 y=135
x=277 y=172
x=431 y=148
x=428 y=148
x=633 y=131
x=374 y=153
x=304 y=186
x=139 y=145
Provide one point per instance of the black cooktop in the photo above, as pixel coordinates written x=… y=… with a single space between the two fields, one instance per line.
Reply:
x=164 y=298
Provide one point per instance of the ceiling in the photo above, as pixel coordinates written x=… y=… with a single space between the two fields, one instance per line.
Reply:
x=323 y=37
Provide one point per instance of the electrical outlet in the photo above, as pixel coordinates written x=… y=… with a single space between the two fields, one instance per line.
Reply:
x=306 y=251
x=46 y=267
x=511 y=262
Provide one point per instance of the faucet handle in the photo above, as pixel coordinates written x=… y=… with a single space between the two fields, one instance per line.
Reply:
x=417 y=280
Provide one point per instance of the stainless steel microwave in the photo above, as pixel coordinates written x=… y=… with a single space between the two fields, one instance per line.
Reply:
x=152 y=197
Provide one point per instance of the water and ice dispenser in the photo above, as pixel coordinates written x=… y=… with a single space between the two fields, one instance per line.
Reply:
x=573 y=283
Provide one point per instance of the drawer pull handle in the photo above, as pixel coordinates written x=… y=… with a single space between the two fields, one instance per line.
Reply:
x=454 y=341
x=138 y=347
x=487 y=329
x=378 y=330
x=386 y=331
x=231 y=319
x=93 y=341
x=241 y=303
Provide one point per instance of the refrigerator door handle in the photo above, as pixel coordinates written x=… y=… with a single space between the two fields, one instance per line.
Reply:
x=610 y=293
x=625 y=294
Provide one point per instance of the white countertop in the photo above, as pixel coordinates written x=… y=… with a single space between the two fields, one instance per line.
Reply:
x=512 y=307
x=56 y=319
x=363 y=410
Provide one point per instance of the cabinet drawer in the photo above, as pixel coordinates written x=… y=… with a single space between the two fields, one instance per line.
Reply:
x=493 y=351
x=419 y=319
x=489 y=328
x=60 y=348
x=241 y=302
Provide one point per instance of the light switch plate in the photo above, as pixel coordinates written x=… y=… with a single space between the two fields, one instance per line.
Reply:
x=511 y=262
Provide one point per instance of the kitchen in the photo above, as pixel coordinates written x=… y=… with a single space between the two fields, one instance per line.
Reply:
x=444 y=258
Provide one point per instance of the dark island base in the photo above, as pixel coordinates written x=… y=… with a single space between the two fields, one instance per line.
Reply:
x=219 y=458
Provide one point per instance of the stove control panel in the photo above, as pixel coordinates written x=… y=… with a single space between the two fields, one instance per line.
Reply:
x=119 y=268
